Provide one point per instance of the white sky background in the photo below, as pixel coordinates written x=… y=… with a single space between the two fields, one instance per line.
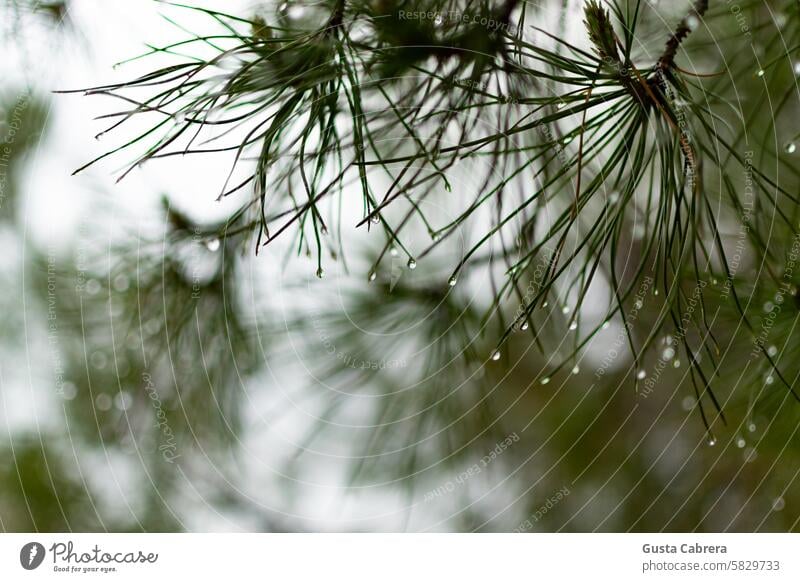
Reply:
x=56 y=206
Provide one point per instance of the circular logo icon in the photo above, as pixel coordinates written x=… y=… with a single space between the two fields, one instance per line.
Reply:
x=31 y=555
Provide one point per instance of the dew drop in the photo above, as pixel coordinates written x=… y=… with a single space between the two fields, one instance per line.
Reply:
x=453 y=280
x=565 y=309
x=778 y=504
x=688 y=403
x=676 y=364
x=606 y=325
x=576 y=370
x=692 y=22
x=375 y=219
x=372 y=276
x=561 y=105
x=324 y=230
x=573 y=326
x=751 y=427
x=121 y=283
x=103 y=402
x=93 y=287
x=213 y=245
x=641 y=375
x=412 y=264
x=545 y=304
x=99 y=360
x=769 y=379
x=797 y=68
x=740 y=442
x=123 y=400
x=495 y=355
x=545 y=380
x=320 y=273
x=712 y=441
x=524 y=326
x=760 y=73
x=393 y=251
x=668 y=354
x=772 y=350
x=791 y=147
x=69 y=391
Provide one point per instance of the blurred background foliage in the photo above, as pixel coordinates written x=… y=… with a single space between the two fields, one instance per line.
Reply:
x=144 y=379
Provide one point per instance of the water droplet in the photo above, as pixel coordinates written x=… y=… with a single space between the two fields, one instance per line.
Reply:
x=606 y=325
x=641 y=375
x=676 y=364
x=103 y=402
x=320 y=273
x=324 y=230
x=296 y=12
x=372 y=276
x=453 y=280
x=791 y=147
x=797 y=68
x=573 y=326
x=69 y=390
x=121 y=283
x=524 y=326
x=99 y=360
x=688 y=403
x=769 y=379
x=375 y=219
x=545 y=304
x=778 y=504
x=412 y=264
x=123 y=401
x=565 y=309
x=561 y=105
x=638 y=304
x=712 y=441
x=772 y=350
x=614 y=198
x=751 y=427
x=566 y=140
x=93 y=287
x=545 y=380
x=393 y=251
x=576 y=370
x=668 y=354
x=692 y=22
x=740 y=442
x=436 y=236
x=213 y=245
x=760 y=73
x=180 y=117
x=495 y=355
x=668 y=340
